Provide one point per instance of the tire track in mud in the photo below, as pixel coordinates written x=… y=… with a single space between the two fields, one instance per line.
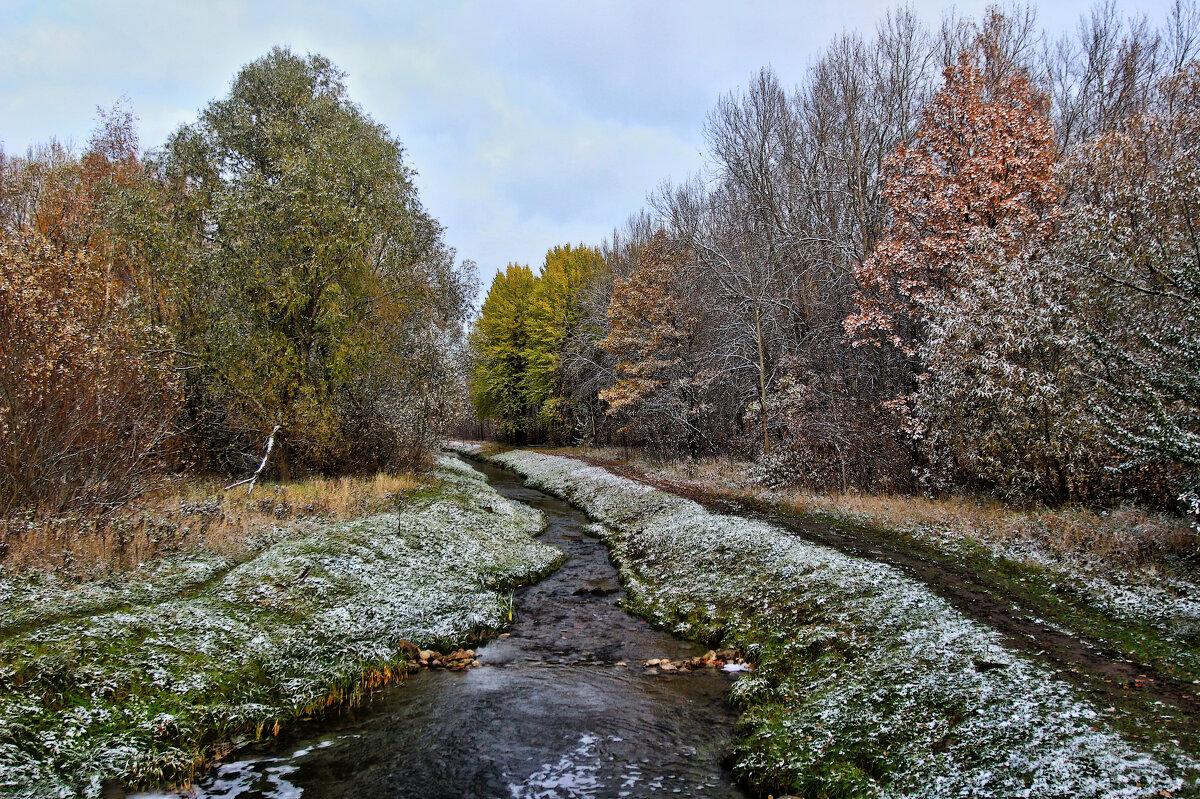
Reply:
x=1104 y=673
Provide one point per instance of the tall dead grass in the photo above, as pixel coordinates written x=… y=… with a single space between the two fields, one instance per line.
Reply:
x=191 y=514
x=1116 y=539
x=1126 y=536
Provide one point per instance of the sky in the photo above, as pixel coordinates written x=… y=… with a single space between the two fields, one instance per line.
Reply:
x=530 y=124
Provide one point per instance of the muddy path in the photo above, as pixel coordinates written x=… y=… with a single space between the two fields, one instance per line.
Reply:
x=560 y=706
x=1107 y=675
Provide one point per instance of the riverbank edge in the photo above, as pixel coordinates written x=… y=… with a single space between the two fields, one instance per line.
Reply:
x=95 y=701
x=853 y=760
x=1152 y=662
x=1058 y=593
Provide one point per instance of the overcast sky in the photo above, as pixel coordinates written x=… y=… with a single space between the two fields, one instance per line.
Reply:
x=530 y=123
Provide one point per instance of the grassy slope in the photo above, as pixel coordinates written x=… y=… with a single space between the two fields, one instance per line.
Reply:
x=1144 y=612
x=146 y=683
x=868 y=683
x=1067 y=600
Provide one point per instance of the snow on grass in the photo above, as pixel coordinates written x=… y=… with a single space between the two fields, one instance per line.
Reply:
x=1124 y=563
x=37 y=597
x=1154 y=594
x=146 y=686
x=867 y=683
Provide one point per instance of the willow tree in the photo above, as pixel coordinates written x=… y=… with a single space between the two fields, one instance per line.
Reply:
x=303 y=224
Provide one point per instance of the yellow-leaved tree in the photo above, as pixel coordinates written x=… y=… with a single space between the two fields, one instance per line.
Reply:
x=554 y=316
x=500 y=345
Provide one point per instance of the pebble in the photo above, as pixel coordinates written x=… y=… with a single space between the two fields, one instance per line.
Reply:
x=455 y=661
x=725 y=659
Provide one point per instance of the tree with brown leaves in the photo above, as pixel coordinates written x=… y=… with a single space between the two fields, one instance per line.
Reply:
x=655 y=329
x=982 y=161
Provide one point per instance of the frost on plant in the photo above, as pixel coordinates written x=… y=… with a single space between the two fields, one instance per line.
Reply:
x=139 y=685
x=867 y=683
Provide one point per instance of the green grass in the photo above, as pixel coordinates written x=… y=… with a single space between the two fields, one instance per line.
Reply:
x=1062 y=602
x=150 y=686
x=866 y=682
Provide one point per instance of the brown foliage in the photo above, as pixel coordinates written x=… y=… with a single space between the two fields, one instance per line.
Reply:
x=655 y=325
x=88 y=392
x=85 y=400
x=982 y=161
x=649 y=324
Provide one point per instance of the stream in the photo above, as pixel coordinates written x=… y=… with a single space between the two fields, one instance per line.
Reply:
x=550 y=712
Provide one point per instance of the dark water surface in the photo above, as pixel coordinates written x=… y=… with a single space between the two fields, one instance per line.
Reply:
x=547 y=714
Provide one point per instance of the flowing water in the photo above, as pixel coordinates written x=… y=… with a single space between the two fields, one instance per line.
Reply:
x=549 y=712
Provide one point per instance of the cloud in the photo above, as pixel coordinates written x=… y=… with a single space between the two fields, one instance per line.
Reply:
x=530 y=124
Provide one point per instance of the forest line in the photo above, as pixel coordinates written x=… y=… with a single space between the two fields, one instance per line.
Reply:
x=954 y=257
x=268 y=271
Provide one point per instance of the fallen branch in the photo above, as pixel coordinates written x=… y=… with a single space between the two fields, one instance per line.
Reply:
x=254 y=477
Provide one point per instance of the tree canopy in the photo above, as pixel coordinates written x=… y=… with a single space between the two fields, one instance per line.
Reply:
x=525 y=329
x=302 y=229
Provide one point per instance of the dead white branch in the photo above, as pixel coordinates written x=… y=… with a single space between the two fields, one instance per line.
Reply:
x=254 y=477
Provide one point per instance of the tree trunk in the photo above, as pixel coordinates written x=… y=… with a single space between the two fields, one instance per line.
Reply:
x=762 y=380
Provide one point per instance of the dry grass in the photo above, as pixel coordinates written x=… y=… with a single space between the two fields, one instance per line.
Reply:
x=1114 y=539
x=723 y=473
x=1125 y=536
x=191 y=514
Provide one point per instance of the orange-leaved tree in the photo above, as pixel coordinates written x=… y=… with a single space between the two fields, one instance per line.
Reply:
x=87 y=393
x=655 y=328
x=980 y=164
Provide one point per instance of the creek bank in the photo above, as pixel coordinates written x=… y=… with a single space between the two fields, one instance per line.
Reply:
x=559 y=705
x=1146 y=613
x=149 y=692
x=866 y=683
x=1126 y=635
